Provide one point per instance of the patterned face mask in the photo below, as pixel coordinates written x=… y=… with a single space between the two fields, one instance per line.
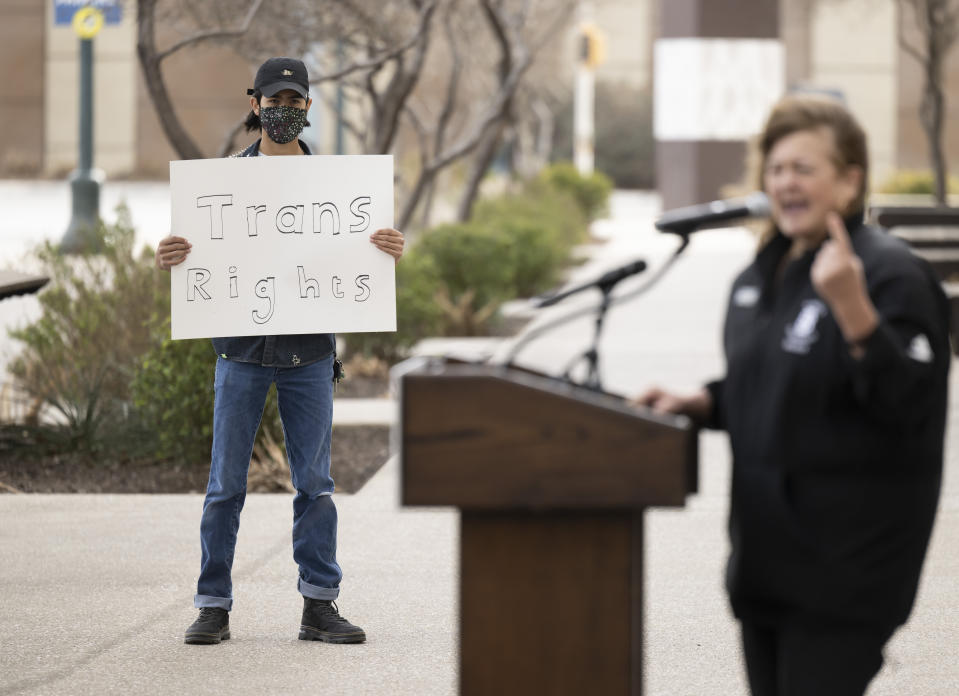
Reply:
x=282 y=123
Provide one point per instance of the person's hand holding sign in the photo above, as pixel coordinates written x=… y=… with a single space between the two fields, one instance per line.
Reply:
x=171 y=251
x=837 y=275
x=389 y=240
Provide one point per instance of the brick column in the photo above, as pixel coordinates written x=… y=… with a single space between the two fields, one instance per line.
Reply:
x=718 y=67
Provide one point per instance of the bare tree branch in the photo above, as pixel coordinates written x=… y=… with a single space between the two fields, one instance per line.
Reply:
x=445 y=116
x=228 y=144
x=213 y=33
x=378 y=62
x=363 y=17
x=452 y=87
x=181 y=141
x=465 y=144
x=348 y=123
x=937 y=22
x=908 y=46
x=563 y=15
x=490 y=139
x=392 y=64
x=399 y=88
x=485 y=132
x=420 y=129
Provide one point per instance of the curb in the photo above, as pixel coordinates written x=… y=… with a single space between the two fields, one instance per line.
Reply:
x=364 y=411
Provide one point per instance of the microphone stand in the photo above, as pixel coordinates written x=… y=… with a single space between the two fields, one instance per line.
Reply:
x=591 y=355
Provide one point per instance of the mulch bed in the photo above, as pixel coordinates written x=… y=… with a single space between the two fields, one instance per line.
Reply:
x=358 y=452
x=28 y=464
x=362 y=387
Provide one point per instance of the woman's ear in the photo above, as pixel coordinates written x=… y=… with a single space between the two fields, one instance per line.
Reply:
x=255 y=105
x=850 y=184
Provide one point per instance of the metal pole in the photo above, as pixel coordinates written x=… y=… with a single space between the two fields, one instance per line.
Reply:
x=583 y=120
x=86 y=105
x=583 y=97
x=84 y=180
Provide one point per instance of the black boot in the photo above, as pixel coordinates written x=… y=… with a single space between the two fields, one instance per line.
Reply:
x=322 y=621
x=210 y=627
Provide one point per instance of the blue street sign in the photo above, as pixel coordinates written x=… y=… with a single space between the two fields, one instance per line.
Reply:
x=63 y=10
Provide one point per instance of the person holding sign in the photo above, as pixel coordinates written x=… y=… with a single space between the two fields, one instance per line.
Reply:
x=303 y=367
x=834 y=398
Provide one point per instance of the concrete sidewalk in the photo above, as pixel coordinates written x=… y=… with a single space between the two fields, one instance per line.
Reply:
x=95 y=591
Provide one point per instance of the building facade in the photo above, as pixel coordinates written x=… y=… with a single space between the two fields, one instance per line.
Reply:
x=864 y=65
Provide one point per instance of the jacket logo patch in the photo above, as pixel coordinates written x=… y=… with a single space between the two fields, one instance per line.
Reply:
x=801 y=334
x=746 y=296
x=919 y=349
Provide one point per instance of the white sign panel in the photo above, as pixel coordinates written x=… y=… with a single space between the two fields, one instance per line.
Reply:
x=281 y=245
x=715 y=89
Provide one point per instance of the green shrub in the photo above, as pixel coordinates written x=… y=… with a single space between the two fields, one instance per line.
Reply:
x=173 y=395
x=469 y=260
x=535 y=251
x=535 y=259
x=453 y=281
x=916 y=182
x=539 y=203
x=173 y=398
x=80 y=356
x=100 y=355
x=417 y=313
x=591 y=192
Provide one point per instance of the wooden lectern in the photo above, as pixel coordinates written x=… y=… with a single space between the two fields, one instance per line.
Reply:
x=551 y=480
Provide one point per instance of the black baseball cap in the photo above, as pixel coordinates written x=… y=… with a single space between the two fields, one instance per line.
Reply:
x=277 y=74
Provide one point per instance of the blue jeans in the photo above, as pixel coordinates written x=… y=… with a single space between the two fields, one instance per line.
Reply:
x=305 y=396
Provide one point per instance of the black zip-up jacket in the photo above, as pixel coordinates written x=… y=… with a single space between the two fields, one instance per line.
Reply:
x=289 y=350
x=837 y=462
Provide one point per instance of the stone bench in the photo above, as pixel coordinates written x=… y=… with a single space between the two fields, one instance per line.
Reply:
x=933 y=233
x=944 y=261
x=914 y=216
x=952 y=292
x=931 y=237
x=13 y=283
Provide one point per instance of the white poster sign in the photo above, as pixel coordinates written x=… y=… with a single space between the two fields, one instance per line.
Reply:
x=715 y=89
x=281 y=245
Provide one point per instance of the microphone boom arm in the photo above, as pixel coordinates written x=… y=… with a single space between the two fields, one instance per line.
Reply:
x=607 y=280
x=607 y=302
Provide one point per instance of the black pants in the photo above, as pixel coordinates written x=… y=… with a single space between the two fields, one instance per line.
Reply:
x=799 y=660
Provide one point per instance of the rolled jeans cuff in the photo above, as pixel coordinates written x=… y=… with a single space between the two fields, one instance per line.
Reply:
x=202 y=601
x=314 y=592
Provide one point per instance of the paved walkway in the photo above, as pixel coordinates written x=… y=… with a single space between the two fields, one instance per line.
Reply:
x=364 y=411
x=95 y=591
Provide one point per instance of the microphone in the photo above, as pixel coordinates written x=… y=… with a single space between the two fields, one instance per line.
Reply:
x=686 y=220
x=605 y=282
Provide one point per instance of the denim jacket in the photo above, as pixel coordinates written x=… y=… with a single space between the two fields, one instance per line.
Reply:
x=288 y=350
